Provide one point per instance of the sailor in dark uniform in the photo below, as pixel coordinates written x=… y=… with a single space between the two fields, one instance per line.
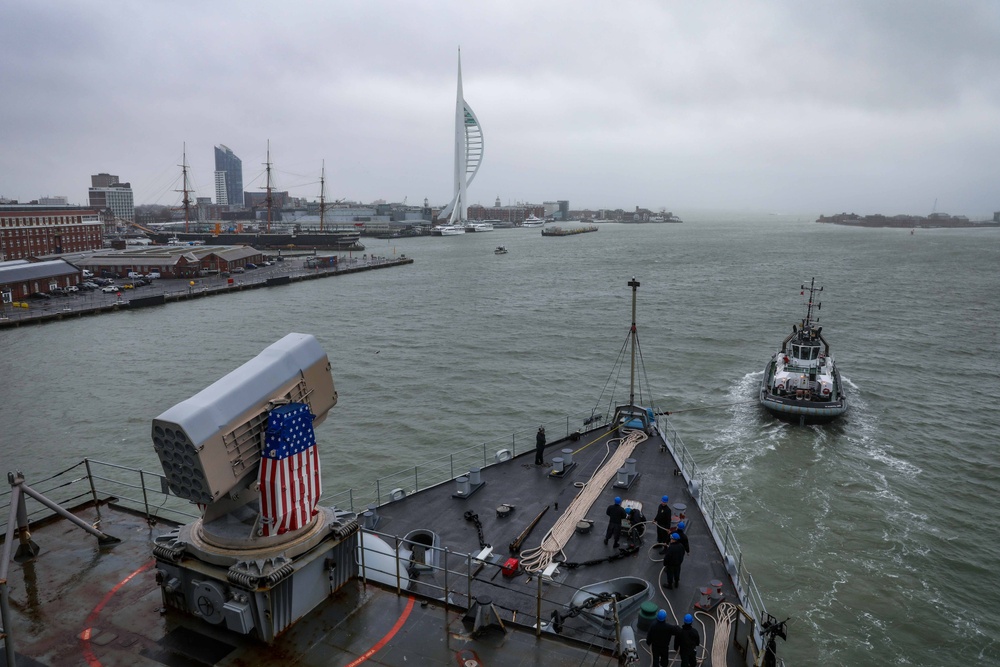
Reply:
x=616 y=514
x=686 y=643
x=663 y=519
x=540 y=446
x=684 y=538
x=672 y=559
x=658 y=639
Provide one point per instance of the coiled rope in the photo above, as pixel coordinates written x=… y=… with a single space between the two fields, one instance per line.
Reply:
x=537 y=559
x=723 y=628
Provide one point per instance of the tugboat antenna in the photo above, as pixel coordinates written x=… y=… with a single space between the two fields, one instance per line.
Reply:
x=634 y=284
x=812 y=291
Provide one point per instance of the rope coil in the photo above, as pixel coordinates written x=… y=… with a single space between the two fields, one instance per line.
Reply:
x=538 y=558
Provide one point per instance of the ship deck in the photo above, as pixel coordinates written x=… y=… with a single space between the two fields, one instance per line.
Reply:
x=78 y=603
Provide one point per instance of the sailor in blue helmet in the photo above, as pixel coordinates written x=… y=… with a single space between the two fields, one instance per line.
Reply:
x=684 y=538
x=658 y=639
x=540 y=446
x=616 y=514
x=686 y=643
x=663 y=520
x=672 y=559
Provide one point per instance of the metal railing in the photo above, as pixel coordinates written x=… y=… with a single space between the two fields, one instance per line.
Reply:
x=719 y=526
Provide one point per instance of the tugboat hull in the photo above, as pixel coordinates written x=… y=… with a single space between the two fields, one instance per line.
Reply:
x=800 y=411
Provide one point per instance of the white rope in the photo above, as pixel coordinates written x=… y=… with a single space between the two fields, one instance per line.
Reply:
x=537 y=559
x=723 y=626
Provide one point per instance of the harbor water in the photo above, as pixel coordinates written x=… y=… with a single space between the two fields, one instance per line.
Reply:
x=877 y=534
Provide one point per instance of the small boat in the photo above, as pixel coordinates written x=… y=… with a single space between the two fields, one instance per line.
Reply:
x=532 y=221
x=593 y=603
x=484 y=226
x=801 y=382
x=501 y=250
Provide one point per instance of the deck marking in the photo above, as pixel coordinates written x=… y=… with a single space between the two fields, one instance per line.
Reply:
x=88 y=654
x=389 y=635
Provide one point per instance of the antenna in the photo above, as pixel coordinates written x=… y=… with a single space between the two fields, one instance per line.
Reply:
x=812 y=291
x=634 y=284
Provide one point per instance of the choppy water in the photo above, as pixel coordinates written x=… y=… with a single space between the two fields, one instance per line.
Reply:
x=878 y=535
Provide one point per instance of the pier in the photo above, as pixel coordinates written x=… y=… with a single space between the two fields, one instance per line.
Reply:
x=164 y=291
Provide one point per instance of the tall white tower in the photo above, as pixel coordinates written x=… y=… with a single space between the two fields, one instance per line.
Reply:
x=468 y=154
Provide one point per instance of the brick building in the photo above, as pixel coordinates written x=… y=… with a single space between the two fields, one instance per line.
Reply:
x=32 y=230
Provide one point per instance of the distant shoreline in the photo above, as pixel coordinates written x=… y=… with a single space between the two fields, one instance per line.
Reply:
x=933 y=221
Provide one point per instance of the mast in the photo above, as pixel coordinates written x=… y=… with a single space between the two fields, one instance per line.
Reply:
x=634 y=284
x=267 y=198
x=812 y=291
x=322 y=201
x=186 y=201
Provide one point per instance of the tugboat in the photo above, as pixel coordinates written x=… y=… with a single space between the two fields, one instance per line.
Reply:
x=801 y=382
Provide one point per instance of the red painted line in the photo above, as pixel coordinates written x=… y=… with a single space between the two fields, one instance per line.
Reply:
x=385 y=640
x=88 y=654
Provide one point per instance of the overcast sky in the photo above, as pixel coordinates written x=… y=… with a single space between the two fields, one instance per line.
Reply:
x=870 y=106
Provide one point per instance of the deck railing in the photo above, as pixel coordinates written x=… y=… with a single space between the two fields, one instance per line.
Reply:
x=148 y=494
x=722 y=531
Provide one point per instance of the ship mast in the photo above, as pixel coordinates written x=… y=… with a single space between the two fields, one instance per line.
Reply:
x=267 y=198
x=184 y=184
x=322 y=200
x=634 y=284
x=812 y=291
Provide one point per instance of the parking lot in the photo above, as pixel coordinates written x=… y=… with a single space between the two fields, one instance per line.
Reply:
x=117 y=296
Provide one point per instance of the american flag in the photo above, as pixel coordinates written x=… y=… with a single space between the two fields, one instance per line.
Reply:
x=289 y=470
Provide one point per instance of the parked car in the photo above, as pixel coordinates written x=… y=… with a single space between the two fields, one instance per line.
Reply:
x=109 y=289
x=237 y=269
x=152 y=275
x=134 y=274
x=88 y=286
x=41 y=295
x=251 y=266
x=72 y=288
x=88 y=274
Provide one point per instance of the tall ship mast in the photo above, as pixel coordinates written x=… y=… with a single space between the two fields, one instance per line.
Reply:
x=267 y=198
x=186 y=201
x=322 y=198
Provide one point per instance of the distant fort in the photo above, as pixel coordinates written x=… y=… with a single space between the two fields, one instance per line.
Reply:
x=907 y=221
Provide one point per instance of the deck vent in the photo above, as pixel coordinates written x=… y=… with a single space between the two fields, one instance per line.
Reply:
x=463 y=486
x=474 y=479
x=567 y=456
x=557 y=465
x=371 y=517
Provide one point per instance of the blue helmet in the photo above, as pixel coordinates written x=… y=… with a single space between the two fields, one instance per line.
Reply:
x=665 y=499
x=688 y=619
x=661 y=615
x=675 y=536
x=681 y=525
x=618 y=501
x=628 y=510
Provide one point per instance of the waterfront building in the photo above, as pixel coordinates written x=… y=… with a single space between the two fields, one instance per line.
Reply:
x=228 y=188
x=468 y=155
x=31 y=230
x=170 y=261
x=19 y=279
x=107 y=192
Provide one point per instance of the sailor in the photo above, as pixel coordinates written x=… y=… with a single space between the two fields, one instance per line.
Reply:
x=658 y=639
x=616 y=515
x=636 y=524
x=686 y=643
x=540 y=446
x=684 y=538
x=663 y=520
x=672 y=559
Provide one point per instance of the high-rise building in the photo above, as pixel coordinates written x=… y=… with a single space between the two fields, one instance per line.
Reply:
x=228 y=177
x=107 y=192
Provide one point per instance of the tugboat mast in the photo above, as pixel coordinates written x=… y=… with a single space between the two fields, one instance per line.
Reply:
x=634 y=284
x=812 y=291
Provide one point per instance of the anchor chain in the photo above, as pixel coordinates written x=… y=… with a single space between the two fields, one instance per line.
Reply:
x=474 y=518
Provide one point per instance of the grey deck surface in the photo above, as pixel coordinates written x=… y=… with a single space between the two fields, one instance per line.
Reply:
x=76 y=605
